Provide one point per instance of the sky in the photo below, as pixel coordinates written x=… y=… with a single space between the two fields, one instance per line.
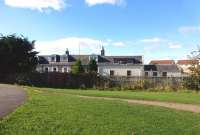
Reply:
x=156 y=29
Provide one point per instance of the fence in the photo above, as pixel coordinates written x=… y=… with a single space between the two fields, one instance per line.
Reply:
x=86 y=80
x=156 y=83
x=53 y=79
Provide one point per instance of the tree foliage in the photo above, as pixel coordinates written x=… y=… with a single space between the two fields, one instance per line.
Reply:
x=92 y=66
x=194 y=81
x=17 y=55
x=77 y=68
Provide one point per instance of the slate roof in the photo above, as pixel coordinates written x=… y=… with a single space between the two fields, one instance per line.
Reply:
x=101 y=59
x=162 y=68
x=84 y=58
x=125 y=59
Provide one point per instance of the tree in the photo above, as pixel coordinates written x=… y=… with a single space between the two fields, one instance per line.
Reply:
x=92 y=66
x=194 y=81
x=77 y=68
x=17 y=55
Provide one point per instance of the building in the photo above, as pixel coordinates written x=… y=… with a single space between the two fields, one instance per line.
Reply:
x=107 y=65
x=121 y=66
x=128 y=66
x=185 y=64
x=165 y=70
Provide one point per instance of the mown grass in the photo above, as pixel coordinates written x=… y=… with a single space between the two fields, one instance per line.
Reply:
x=55 y=113
x=179 y=97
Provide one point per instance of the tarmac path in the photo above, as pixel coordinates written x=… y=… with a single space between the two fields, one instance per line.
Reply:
x=10 y=98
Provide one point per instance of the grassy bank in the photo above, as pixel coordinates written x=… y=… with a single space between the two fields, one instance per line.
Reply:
x=49 y=112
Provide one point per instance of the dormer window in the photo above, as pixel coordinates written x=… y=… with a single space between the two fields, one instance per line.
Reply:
x=52 y=58
x=64 y=58
x=93 y=57
x=57 y=58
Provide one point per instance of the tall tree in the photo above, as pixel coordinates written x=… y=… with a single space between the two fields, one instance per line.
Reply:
x=17 y=55
x=92 y=66
x=77 y=68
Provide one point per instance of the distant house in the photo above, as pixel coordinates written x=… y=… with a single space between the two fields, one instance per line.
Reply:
x=121 y=66
x=107 y=65
x=162 y=62
x=164 y=70
x=185 y=64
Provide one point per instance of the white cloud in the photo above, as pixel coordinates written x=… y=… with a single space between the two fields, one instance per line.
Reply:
x=174 y=45
x=112 y=2
x=189 y=29
x=87 y=45
x=40 y=5
x=154 y=40
x=119 y=44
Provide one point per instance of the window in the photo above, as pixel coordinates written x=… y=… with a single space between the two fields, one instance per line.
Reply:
x=64 y=58
x=52 y=58
x=164 y=74
x=57 y=58
x=46 y=69
x=64 y=70
x=128 y=73
x=112 y=72
x=146 y=74
x=155 y=74
x=130 y=61
x=54 y=69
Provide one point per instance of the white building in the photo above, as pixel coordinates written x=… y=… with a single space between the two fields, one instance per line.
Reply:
x=129 y=70
x=107 y=65
x=130 y=66
x=164 y=70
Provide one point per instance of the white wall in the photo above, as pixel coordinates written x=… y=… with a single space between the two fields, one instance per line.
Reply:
x=169 y=74
x=59 y=68
x=120 y=70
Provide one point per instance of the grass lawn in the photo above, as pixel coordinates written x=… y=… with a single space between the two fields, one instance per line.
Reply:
x=54 y=113
x=179 y=97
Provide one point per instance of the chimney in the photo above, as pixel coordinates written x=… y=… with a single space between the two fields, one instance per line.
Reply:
x=67 y=52
x=102 y=51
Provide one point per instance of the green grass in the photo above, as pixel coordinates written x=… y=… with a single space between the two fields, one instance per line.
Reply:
x=179 y=97
x=49 y=112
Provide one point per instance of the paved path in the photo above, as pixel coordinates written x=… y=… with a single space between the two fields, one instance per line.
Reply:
x=10 y=98
x=177 y=106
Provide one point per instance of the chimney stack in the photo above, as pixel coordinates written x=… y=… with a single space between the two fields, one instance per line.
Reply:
x=102 y=51
x=67 y=52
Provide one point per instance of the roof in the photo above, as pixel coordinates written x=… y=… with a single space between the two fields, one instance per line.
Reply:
x=162 y=68
x=101 y=59
x=131 y=59
x=187 y=62
x=162 y=62
x=83 y=58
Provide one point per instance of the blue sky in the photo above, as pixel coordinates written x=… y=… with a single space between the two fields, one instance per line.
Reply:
x=157 y=29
